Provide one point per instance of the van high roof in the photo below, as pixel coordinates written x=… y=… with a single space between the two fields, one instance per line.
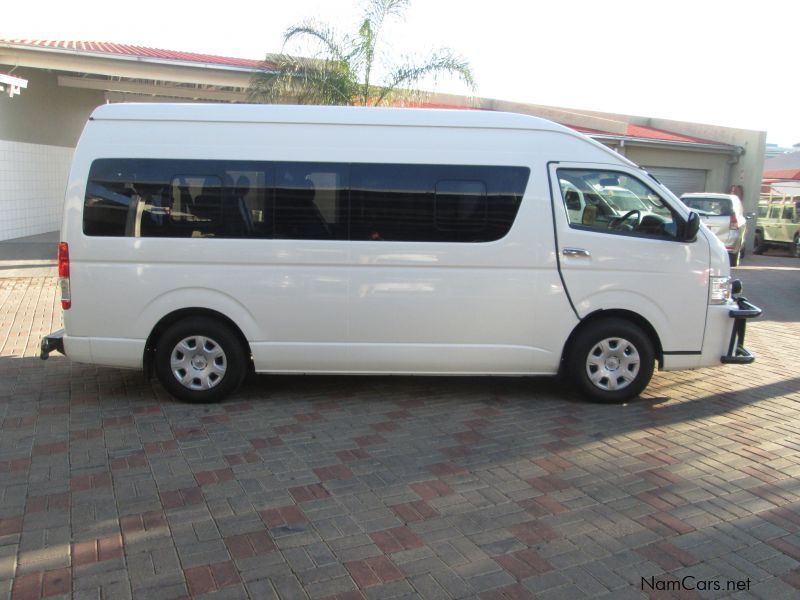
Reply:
x=344 y=115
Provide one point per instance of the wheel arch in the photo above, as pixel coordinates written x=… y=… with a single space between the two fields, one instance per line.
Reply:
x=177 y=315
x=628 y=315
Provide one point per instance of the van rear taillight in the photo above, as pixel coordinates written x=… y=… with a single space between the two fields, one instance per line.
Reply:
x=63 y=274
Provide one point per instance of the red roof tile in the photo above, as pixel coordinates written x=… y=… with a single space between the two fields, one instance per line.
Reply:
x=640 y=131
x=136 y=51
x=783 y=174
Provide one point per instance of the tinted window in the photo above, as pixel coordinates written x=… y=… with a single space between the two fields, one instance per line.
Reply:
x=434 y=203
x=460 y=206
x=106 y=207
x=314 y=201
x=178 y=198
x=310 y=201
x=787 y=213
x=775 y=212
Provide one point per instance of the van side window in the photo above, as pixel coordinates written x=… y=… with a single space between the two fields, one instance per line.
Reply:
x=787 y=213
x=177 y=198
x=434 y=203
x=247 y=200
x=107 y=206
x=301 y=201
x=775 y=212
x=194 y=207
x=460 y=205
x=310 y=201
x=616 y=203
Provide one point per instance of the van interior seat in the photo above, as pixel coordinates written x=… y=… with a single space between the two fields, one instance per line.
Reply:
x=589 y=215
x=299 y=216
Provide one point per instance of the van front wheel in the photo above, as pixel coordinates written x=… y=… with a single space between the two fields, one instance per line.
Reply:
x=611 y=361
x=199 y=360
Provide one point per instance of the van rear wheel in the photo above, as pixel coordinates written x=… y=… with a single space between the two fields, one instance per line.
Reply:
x=611 y=361
x=200 y=360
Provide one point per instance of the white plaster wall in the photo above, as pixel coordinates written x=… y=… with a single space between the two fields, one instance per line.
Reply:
x=33 y=178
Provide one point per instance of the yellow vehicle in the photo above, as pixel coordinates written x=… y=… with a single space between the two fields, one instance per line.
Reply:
x=778 y=224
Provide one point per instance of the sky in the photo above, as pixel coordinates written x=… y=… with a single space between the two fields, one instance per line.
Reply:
x=733 y=63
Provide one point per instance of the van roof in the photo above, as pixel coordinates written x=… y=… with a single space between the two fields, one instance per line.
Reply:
x=339 y=115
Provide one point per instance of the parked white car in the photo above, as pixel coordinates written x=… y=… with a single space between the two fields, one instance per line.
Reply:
x=205 y=241
x=724 y=215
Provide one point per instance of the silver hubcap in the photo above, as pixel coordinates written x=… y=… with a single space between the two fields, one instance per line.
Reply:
x=198 y=362
x=613 y=364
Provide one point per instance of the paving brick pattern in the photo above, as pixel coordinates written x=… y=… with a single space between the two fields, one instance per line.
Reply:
x=349 y=488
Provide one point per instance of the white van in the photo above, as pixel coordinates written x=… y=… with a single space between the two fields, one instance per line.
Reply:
x=205 y=241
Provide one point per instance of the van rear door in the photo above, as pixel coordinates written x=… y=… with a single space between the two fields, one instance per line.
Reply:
x=633 y=260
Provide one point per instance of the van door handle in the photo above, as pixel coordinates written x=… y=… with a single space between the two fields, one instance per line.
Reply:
x=576 y=252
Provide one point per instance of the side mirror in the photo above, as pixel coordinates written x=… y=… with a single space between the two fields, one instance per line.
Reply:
x=750 y=215
x=692 y=227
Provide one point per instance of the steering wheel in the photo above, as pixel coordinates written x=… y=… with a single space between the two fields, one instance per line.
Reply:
x=619 y=222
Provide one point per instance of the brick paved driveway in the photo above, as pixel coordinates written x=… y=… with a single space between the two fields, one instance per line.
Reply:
x=412 y=487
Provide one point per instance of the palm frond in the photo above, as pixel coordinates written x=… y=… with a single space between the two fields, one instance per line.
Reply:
x=443 y=62
x=315 y=32
x=340 y=68
x=377 y=10
x=303 y=81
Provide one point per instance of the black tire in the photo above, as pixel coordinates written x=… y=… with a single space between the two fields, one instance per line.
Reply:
x=796 y=247
x=734 y=258
x=758 y=244
x=208 y=385
x=583 y=350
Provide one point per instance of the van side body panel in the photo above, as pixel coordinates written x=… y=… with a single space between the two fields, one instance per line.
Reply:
x=333 y=306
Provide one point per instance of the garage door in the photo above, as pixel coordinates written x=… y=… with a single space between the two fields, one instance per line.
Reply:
x=680 y=181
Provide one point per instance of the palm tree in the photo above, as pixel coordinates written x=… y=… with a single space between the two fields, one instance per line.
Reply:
x=343 y=69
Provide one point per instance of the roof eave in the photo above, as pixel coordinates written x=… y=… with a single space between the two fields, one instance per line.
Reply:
x=697 y=146
x=129 y=58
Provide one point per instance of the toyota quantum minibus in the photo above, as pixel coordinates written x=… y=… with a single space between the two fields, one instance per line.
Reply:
x=205 y=241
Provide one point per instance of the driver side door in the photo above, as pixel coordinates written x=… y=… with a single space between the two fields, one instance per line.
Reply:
x=636 y=262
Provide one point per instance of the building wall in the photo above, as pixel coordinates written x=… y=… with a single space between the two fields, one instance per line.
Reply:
x=715 y=165
x=33 y=178
x=38 y=133
x=45 y=113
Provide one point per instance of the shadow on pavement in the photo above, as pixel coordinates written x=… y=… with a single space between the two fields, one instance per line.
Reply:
x=527 y=403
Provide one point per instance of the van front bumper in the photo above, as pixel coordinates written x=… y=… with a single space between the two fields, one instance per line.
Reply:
x=737 y=353
x=54 y=341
